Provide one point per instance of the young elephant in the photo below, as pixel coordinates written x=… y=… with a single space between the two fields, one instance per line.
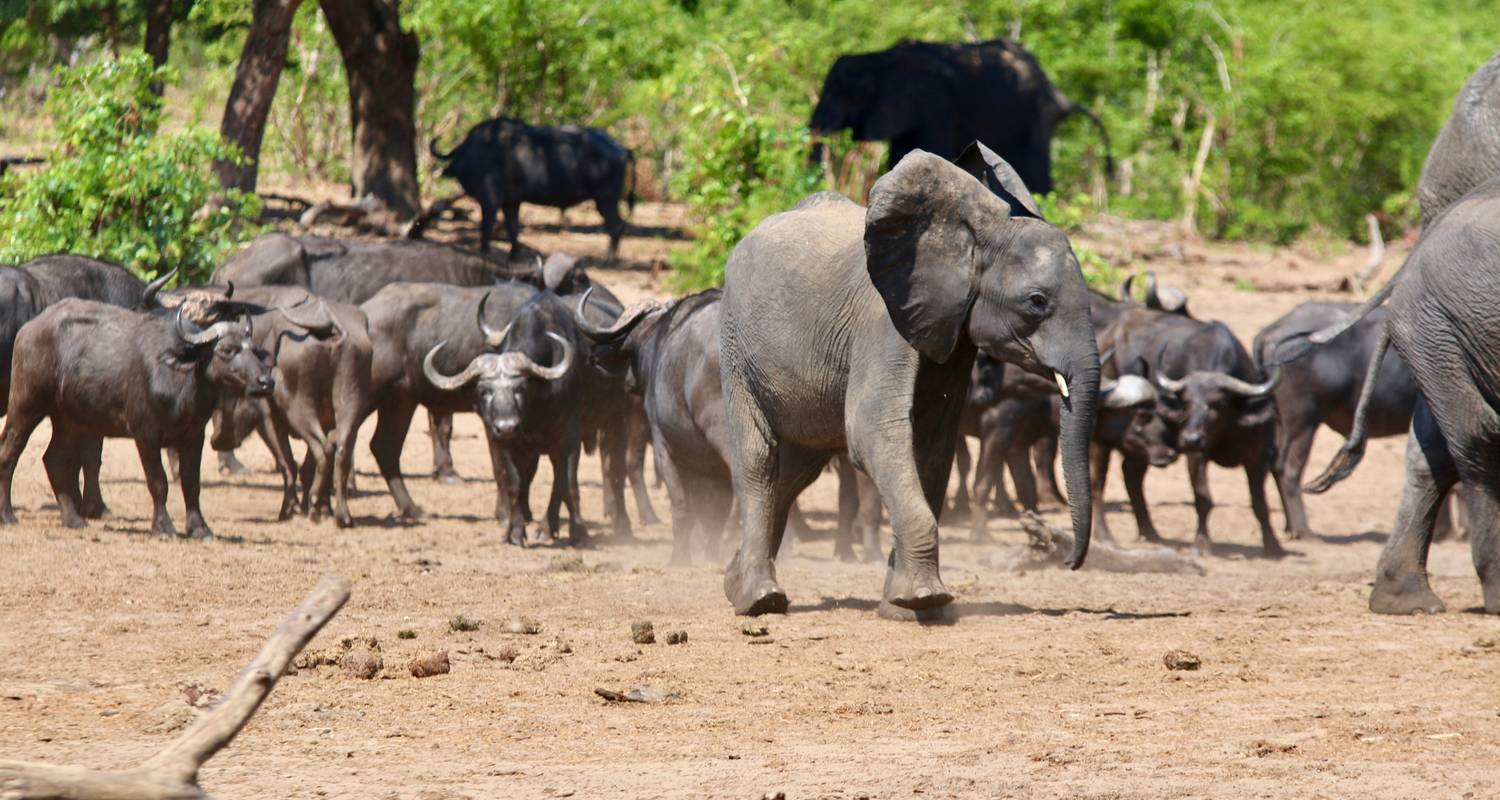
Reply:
x=851 y=329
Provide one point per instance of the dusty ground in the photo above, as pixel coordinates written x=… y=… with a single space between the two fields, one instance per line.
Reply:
x=1048 y=684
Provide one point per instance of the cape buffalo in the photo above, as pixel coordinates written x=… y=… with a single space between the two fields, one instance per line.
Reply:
x=505 y=162
x=102 y=371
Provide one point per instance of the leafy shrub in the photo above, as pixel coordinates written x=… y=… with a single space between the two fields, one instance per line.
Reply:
x=117 y=187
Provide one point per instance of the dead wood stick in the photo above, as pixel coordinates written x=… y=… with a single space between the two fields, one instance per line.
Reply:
x=173 y=773
x=1377 y=253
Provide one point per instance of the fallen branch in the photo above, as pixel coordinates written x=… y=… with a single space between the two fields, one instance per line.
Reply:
x=6 y=162
x=1047 y=545
x=173 y=772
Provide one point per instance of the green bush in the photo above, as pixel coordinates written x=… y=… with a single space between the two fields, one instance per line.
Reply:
x=117 y=187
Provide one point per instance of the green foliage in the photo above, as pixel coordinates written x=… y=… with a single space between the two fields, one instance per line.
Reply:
x=117 y=187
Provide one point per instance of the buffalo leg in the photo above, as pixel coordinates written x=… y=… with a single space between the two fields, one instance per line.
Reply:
x=1018 y=463
x=1296 y=441
x=683 y=505
x=1255 y=473
x=513 y=225
x=487 y=211
x=1401 y=585
x=1134 y=470
x=229 y=463
x=1099 y=456
x=440 y=430
x=1044 y=461
x=843 y=541
x=18 y=427
x=156 y=484
x=191 y=457
x=507 y=483
x=613 y=447
x=961 y=461
x=526 y=470
x=565 y=474
x=635 y=468
x=1203 y=500
x=273 y=431
x=393 y=420
x=345 y=432
x=713 y=501
x=61 y=462
x=91 y=454
x=303 y=420
x=867 y=518
x=609 y=208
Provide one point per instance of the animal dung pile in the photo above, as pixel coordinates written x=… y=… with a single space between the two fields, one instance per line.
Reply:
x=357 y=656
x=1181 y=660
x=429 y=664
x=643 y=632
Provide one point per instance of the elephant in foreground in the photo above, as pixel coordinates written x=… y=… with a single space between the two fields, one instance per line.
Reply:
x=845 y=328
x=939 y=97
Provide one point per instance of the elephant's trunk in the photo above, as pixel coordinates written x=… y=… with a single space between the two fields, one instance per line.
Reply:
x=1077 y=433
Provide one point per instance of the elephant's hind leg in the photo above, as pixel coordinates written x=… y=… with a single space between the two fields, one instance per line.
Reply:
x=750 y=579
x=1401 y=585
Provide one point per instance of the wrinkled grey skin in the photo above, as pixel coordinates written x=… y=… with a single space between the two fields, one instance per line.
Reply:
x=851 y=329
x=1467 y=150
x=505 y=162
x=670 y=354
x=322 y=354
x=1214 y=398
x=1449 y=341
x=102 y=371
x=536 y=417
x=939 y=97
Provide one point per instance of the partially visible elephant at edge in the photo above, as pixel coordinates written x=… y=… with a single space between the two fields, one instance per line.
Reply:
x=844 y=328
x=939 y=97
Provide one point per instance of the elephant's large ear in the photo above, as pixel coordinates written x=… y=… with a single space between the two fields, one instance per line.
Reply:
x=999 y=177
x=920 y=242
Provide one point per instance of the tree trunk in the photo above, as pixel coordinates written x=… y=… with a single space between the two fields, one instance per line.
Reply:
x=254 y=88
x=380 y=62
x=158 y=35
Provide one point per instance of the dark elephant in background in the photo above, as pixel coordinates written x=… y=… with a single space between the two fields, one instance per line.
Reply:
x=853 y=329
x=939 y=97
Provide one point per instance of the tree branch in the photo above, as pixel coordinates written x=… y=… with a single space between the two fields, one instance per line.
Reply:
x=173 y=773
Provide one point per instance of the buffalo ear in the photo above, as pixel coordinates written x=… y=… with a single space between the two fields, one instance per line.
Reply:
x=920 y=243
x=999 y=177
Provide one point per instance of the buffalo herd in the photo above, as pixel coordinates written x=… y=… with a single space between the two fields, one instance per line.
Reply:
x=874 y=339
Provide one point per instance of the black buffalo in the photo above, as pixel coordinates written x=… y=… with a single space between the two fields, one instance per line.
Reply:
x=517 y=347
x=1216 y=399
x=102 y=371
x=505 y=162
x=939 y=97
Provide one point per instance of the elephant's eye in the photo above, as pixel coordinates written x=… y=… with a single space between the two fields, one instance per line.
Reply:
x=1037 y=302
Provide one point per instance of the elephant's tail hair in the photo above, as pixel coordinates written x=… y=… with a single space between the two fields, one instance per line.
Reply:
x=1109 y=159
x=1353 y=450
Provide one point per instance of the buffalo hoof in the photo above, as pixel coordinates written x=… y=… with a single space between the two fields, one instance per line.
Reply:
x=844 y=552
x=1294 y=535
x=516 y=535
x=232 y=468
x=448 y=477
x=941 y=615
x=202 y=532
x=73 y=521
x=680 y=558
x=1202 y=547
x=413 y=513
x=7 y=517
x=1417 y=599
x=754 y=591
x=343 y=520
x=285 y=514
x=916 y=588
x=1272 y=549
x=648 y=517
x=578 y=534
x=95 y=509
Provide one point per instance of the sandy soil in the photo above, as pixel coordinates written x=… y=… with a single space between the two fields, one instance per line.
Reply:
x=1048 y=684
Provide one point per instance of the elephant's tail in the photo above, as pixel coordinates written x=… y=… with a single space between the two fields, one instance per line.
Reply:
x=1109 y=159
x=1353 y=450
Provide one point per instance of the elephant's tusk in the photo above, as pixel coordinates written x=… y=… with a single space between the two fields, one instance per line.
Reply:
x=1062 y=384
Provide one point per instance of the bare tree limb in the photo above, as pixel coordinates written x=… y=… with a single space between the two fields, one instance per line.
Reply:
x=173 y=773
x=1195 y=179
x=1377 y=254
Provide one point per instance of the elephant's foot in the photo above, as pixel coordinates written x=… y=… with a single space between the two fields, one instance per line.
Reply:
x=753 y=589
x=941 y=614
x=915 y=587
x=1405 y=595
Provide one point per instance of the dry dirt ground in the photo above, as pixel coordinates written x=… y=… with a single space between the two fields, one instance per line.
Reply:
x=1048 y=684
